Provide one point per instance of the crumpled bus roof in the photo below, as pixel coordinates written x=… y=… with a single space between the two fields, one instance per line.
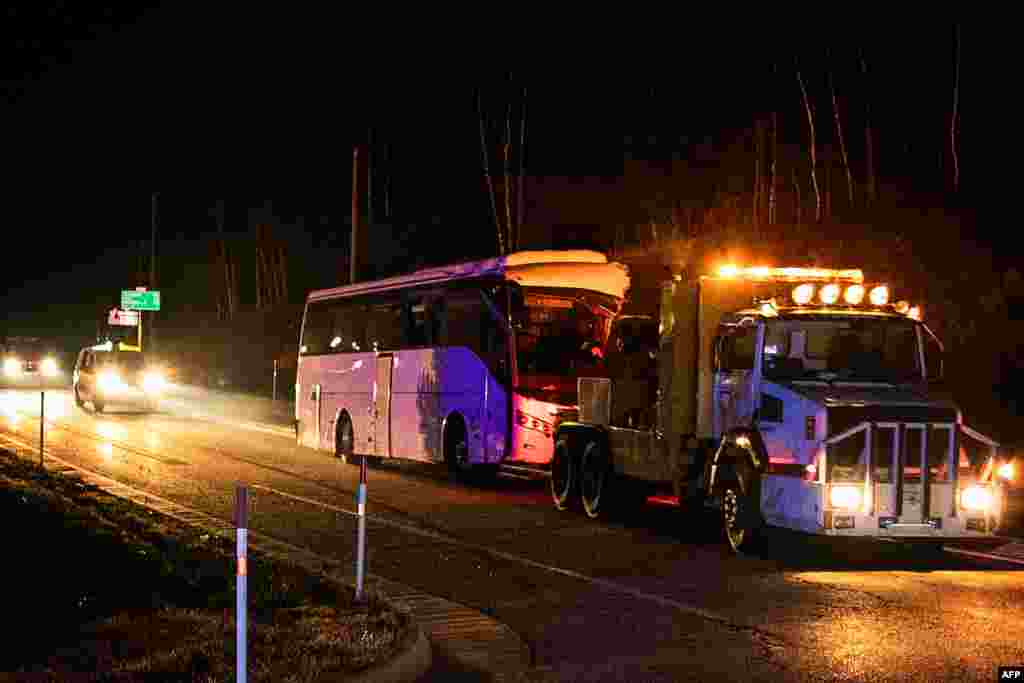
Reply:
x=571 y=268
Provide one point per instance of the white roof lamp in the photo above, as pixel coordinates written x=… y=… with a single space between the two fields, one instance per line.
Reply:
x=607 y=278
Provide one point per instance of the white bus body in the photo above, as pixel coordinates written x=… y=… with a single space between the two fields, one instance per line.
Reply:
x=461 y=364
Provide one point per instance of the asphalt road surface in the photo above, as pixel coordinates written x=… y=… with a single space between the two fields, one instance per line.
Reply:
x=647 y=597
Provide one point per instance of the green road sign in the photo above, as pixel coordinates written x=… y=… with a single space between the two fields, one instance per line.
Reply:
x=140 y=301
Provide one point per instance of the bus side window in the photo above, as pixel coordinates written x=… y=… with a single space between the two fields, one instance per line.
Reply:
x=419 y=312
x=384 y=324
x=317 y=329
x=463 y=309
x=349 y=331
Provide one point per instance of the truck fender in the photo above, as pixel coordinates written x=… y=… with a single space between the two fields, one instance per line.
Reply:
x=744 y=441
x=576 y=432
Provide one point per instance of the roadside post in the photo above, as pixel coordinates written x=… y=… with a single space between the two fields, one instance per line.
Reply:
x=242 y=524
x=42 y=423
x=361 y=534
x=273 y=395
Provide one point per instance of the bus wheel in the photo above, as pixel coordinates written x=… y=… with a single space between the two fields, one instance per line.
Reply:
x=345 y=441
x=563 y=476
x=456 y=448
x=594 y=480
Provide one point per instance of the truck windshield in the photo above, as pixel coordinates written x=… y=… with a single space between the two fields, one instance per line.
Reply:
x=845 y=349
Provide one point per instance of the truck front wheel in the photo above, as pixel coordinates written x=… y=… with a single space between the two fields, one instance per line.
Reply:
x=738 y=508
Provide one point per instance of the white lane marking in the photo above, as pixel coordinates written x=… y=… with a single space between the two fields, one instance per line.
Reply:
x=604 y=583
x=988 y=556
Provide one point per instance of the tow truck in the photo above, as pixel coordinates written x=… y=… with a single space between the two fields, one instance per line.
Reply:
x=800 y=398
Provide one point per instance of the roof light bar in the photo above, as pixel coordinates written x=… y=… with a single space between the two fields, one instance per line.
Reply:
x=791 y=274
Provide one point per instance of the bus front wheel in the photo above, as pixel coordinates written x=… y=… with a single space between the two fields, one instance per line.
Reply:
x=344 y=442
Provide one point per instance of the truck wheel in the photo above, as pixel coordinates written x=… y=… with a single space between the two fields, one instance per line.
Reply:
x=563 y=476
x=594 y=480
x=736 y=502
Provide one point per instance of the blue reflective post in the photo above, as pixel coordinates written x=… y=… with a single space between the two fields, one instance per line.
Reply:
x=361 y=534
x=242 y=524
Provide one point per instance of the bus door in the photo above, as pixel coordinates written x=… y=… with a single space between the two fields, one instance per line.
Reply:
x=382 y=406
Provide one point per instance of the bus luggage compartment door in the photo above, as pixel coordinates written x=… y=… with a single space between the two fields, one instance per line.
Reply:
x=382 y=407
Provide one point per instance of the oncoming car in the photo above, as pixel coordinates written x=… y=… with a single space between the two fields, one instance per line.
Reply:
x=28 y=361
x=105 y=374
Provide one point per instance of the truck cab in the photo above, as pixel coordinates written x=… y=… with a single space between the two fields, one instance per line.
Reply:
x=799 y=398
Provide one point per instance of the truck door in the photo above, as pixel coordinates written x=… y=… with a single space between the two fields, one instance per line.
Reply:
x=737 y=376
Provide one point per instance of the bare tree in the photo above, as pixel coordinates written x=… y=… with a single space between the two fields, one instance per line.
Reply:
x=814 y=159
x=869 y=145
x=508 y=175
x=842 y=144
x=953 y=118
x=522 y=161
x=774 y=155
x=487 y=175
x=799 y=198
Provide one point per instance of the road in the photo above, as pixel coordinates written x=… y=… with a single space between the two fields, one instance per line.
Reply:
x=645 y=598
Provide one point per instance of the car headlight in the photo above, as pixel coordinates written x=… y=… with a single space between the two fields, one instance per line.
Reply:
x=109 y=381
x=12 y=366
x=154 y=381
x=846 y=497
x=976 y=498
x=49 y=367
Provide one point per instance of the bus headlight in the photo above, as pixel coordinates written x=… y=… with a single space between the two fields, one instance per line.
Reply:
x=846 y=497
x=109 y=381
x=49 y=367
x=154 y=382
x=976 y=498
x=11 y=367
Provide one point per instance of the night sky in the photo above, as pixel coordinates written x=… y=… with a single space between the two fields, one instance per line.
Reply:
x=106 y=105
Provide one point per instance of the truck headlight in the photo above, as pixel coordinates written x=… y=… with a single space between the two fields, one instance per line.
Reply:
x=1005 y=471
x=12 y=367
x=976 y=498
x=49 y=367
x=154 y=382
x=109 y=381
x=846 y=497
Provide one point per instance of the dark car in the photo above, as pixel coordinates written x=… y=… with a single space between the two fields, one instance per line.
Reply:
x=29 y=361
x=105 y=374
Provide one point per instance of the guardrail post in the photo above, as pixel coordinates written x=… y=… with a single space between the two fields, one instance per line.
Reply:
x=273 y=392
x=242 y=524
x=42 y=423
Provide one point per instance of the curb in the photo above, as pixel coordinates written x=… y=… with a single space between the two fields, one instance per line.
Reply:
x=412 y=661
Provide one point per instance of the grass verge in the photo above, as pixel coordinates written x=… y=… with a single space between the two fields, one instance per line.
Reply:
x=99 y=588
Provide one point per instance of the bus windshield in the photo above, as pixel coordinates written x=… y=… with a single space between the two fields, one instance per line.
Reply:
x=847 y=349
x=560 y=332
